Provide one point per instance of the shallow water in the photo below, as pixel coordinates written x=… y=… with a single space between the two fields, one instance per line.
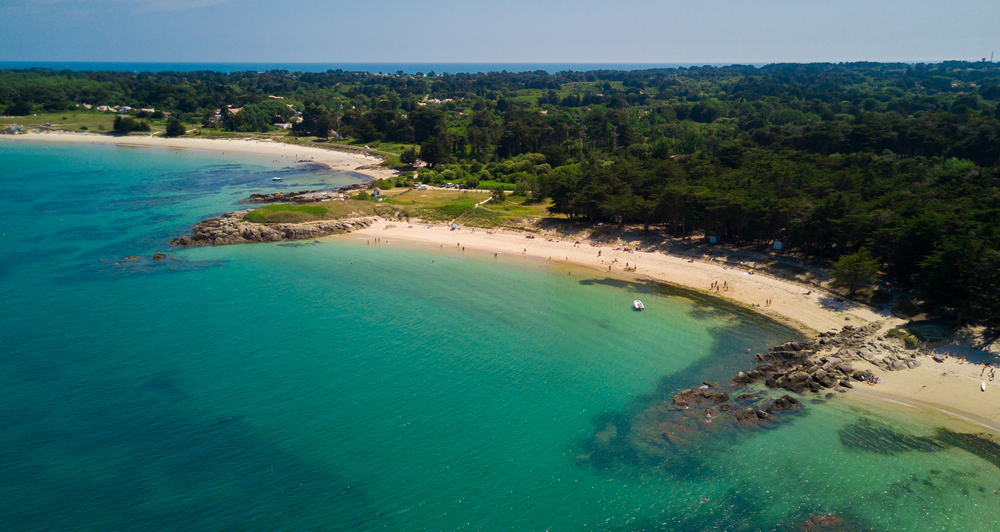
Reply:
x=337 y=385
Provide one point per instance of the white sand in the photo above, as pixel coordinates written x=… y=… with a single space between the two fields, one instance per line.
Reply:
x=789 y=302
x=337 y=160
x=937 y=390
x=950 y=388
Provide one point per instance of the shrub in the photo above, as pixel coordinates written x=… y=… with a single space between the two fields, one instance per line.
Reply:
x=907 y=338
x=127 y=124
x=175 y=128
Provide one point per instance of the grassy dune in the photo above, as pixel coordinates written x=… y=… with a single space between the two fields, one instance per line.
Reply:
x=427 y=205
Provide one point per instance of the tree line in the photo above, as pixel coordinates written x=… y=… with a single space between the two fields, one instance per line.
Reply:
x=896 y=163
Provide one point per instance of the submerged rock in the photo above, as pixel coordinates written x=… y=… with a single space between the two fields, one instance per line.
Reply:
x=823 y=522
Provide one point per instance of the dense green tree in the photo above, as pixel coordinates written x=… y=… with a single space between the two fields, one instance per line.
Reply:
x=175 y=128
x=408 y=156
x=961 y=274
x=497 y=195
x=323 y=126
x=127 y=124
x=854 y=271
x=432 y=152
x=19 y=108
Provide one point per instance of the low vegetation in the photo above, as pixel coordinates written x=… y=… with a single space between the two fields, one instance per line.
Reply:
x=910 y=340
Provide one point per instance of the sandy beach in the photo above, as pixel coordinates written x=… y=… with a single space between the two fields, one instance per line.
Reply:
x=790 y=303
x=943 y=389
x=950 y=389
x=336 y=160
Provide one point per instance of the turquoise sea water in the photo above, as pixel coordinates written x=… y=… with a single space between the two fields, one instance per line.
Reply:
x=334 y=385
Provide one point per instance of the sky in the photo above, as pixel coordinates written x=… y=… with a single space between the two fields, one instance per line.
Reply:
x=543 y=31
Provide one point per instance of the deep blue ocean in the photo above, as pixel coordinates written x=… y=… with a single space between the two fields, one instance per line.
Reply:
x=385 y=68
x=334 y=385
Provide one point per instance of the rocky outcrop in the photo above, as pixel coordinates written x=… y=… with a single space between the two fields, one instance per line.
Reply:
x=796 y=367
x=302 y=196
x=689 y=426
x=231 y=228
x=890 y=355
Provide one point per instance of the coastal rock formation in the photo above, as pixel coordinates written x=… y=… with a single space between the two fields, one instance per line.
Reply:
x=796 y=366
x=694 y=423
x=302 y=196
x=889 y=355
x=231 y=228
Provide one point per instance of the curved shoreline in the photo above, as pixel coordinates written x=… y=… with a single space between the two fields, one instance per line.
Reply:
x=332 y=159
x=954 y=391
x=790 y=304
x=924 y=387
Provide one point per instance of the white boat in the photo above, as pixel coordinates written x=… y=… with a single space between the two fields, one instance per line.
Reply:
x=983 y=386
x=275 y=179
x=638 y=305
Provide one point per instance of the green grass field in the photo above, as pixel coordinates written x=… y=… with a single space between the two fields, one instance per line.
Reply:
x=83 y=121
x=327 y=210
x=66 y=121
x=287 y=213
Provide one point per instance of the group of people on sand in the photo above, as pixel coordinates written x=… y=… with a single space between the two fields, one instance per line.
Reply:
x=992 y=370
x=724 y=286
x=873 y=380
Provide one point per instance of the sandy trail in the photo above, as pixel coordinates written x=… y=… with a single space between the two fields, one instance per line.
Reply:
x=336 y=160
